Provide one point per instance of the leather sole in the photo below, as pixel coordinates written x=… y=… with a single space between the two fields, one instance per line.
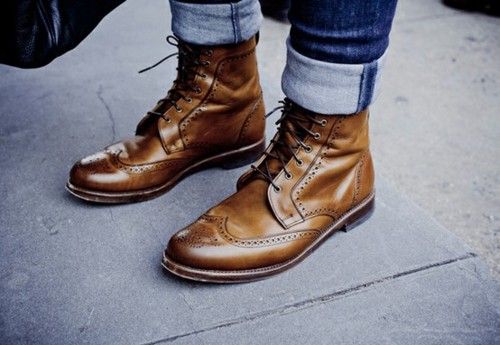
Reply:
x=227 y=160
x=349 y=220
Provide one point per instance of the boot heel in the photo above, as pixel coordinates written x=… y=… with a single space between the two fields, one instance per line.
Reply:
x=360 y=216
x=243 y=157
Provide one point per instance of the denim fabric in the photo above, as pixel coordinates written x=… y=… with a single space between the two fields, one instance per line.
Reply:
x=335 y=51
x=214 y=22
x=341 y=31
x=327 y=87
x=209 y=2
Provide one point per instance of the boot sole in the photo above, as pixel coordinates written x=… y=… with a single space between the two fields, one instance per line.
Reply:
x=354 y=217
x=227 y=160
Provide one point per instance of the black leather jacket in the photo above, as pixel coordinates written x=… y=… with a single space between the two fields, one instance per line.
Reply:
x=34 y=32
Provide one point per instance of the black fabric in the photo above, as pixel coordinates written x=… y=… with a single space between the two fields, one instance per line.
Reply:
x=35 y=32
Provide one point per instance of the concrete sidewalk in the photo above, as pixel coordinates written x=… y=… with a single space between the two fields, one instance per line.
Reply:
x=75 y=273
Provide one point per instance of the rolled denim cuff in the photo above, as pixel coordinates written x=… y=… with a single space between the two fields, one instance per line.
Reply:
x=330 y=88
x=215 y=24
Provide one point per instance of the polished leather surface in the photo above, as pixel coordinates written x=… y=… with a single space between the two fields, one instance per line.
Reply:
x=222 y=112
x=264 y=223
x=35 y=32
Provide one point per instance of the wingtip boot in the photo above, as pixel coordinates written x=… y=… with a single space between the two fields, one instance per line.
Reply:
x=315 y=178
x=212 y=116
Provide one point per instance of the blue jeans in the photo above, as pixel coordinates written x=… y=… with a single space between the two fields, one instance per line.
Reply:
x=335 y=51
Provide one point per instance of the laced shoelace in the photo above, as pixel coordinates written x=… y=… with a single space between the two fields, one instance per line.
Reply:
x=189 y=60
x=282 y=150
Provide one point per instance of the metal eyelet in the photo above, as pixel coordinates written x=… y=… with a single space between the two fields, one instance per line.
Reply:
x=189 y=100
x=277 y=189
x=308 y=149
x=288 y=176
x=299 y=163
x=204 y=76
x=168 y=119
x=178 y=110
x=317 y=136
x=323 y=123
x=198 y=90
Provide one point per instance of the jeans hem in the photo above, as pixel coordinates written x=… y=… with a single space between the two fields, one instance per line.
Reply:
x=330 y=88
x=215 y=24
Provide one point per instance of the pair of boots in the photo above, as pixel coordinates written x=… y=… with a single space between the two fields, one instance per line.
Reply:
x=314 y=178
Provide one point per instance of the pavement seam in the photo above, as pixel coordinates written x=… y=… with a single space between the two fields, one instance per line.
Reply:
x=309 y=303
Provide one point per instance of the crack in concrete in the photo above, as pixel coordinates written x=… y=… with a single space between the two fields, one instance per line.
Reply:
x=111 y=214
x=87 y=324
x=108 y=110
x=309 y=303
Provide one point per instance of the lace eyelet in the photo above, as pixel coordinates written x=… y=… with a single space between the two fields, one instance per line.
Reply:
x=308 y=149
x=204 y=76
x=210 y=52
x=168 y=119
x=198 y=90
x=205 y=63
x=178 y=110
x=189 y=100
x=317 y=136
x=323 y=123
x=277 y=189
x=299 y=163
x=288 y=176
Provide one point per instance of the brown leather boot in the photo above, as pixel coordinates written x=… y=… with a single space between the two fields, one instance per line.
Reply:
x=315 y=178
x=212 y=116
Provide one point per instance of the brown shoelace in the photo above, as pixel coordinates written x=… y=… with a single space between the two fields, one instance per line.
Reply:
x=190 y=58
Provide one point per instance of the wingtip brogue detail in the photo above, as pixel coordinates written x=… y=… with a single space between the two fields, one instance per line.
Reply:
x=212 y=116
x=315 y=177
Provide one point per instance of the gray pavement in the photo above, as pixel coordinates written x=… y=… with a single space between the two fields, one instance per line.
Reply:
x=74 y=273
x=436 y=127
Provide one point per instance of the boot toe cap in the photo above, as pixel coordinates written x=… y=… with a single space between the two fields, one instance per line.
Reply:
x=96 y=173
x=198 y=246
x=207 y=245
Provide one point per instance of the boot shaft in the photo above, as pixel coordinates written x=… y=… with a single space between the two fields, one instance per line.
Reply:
x=329 y=172
x=225 y=108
